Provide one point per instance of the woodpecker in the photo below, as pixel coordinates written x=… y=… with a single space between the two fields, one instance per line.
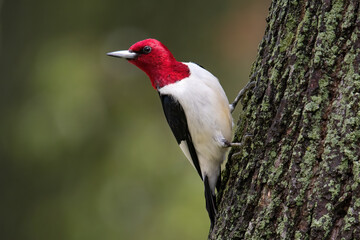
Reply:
x=196 y=109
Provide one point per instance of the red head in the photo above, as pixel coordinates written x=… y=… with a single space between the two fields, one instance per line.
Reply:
x=155 y=59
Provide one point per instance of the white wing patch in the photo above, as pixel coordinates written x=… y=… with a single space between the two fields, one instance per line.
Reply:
x=184 y=147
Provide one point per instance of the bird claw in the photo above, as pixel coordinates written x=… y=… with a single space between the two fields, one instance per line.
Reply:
x=227 y=144
x=241 y=94
x=235 y=154
x=241 y=144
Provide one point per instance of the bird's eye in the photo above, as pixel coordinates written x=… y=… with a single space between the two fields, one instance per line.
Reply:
x=147 y=49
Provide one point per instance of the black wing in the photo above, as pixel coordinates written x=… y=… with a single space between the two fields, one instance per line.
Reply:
x=176 y=119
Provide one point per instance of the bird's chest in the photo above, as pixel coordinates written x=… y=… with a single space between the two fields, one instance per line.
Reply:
x=199 y=104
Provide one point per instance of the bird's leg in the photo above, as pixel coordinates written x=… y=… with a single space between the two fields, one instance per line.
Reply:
x=241 y=94
x=227 y=144
x=241 y=144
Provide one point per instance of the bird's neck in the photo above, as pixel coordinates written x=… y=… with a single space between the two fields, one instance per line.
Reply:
x=167 y=74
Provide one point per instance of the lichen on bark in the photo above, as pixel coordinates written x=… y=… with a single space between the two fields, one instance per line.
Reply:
x=298 y=177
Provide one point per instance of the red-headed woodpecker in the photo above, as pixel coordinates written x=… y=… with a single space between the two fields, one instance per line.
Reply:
x=195 y=106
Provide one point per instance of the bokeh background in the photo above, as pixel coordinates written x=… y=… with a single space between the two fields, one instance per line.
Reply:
x=85 y=151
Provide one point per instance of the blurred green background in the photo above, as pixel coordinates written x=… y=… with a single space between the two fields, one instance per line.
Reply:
x=85 y=150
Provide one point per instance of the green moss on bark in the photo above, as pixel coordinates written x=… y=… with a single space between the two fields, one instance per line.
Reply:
x=299 y=176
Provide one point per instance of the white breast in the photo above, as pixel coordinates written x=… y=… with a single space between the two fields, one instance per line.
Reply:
x=208 y=115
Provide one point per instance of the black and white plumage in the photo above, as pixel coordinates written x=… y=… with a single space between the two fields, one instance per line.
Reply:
x=198 y=113
x=196 y=109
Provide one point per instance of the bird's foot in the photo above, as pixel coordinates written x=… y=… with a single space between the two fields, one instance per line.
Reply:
x=241 y=144
x=241 y=94
x=227 y=144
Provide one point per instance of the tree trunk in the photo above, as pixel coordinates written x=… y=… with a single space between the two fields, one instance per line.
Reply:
x=298 y=177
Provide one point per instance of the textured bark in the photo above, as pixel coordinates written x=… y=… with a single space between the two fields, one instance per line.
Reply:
x=299 y=175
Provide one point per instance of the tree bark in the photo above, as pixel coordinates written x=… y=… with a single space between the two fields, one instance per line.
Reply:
x=298 y=177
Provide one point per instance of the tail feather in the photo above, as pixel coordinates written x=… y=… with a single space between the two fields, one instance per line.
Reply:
x=218 y=182
x=210 y=201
